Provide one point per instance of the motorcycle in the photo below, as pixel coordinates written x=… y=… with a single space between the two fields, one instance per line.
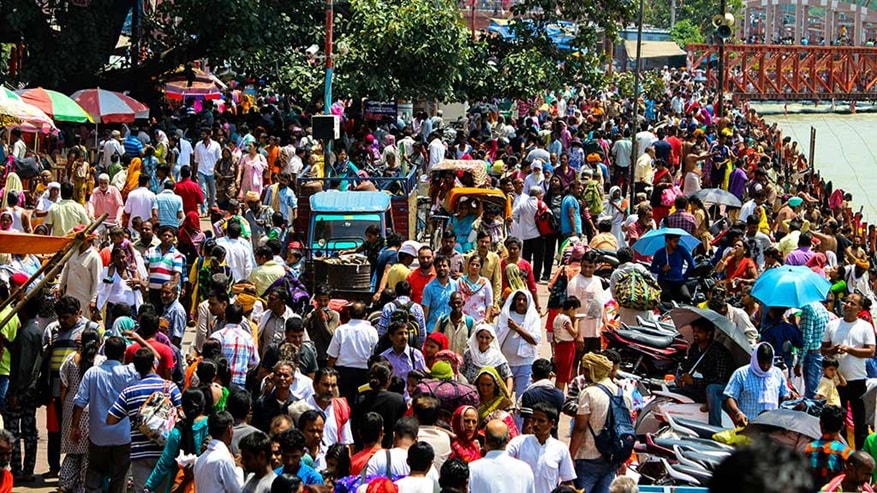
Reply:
x=650 y=348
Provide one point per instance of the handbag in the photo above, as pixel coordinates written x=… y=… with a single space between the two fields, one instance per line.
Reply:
x=557 y=295
x=637 y=291
x=546 y=223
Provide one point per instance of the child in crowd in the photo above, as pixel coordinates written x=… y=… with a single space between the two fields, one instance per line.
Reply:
x=565 y=333
x=828 y=384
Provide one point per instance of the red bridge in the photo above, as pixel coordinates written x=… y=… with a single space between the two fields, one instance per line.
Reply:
x=784 y=72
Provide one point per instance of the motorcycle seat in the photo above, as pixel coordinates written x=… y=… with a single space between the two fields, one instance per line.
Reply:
x=701 y=475
x=696 y=444
x=702 y=429
x=655 y=341
x=709 y=461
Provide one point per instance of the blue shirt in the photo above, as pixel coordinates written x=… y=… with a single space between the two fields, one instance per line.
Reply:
x=287 y=200
x=307 y=474
x=410 y=359
x=168 y=205
x=175 y=314
x=98 y=390
x=675 y=259
x=753 y=394
x=436 y=298
x=129 y=402
x=567 y=204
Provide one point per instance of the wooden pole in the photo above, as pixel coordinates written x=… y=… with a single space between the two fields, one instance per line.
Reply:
x=53 y=271
x=812 y=147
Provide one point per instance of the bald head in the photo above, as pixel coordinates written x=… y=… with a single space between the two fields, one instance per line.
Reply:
x=496 y=435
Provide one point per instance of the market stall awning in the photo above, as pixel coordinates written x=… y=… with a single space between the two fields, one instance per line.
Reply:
x=23 y=243
x=654 y=49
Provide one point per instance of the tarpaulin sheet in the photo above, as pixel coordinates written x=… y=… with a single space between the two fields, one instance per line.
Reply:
x=22 y=243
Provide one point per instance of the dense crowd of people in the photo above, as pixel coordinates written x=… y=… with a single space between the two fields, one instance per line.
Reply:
x=456 y=374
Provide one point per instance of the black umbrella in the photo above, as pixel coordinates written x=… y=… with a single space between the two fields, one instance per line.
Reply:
x=727 y=334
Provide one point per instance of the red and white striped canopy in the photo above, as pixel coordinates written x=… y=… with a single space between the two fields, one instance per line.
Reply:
x=110 y=107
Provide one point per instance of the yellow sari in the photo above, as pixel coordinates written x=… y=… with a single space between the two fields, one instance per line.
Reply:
x=133 y=176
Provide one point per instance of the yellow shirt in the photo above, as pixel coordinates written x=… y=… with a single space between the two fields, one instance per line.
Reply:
x=398 y=272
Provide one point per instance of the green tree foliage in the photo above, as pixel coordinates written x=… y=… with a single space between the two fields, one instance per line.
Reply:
x=532 y=62
x=685 y=32
x=698 y=12
x=403 y=49
x=651 y=84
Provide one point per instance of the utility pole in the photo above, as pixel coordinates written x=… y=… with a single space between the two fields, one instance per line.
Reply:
x=327 y=89
x=672 y=13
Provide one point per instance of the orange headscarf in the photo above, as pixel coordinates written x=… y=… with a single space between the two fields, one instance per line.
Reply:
x=133 y=176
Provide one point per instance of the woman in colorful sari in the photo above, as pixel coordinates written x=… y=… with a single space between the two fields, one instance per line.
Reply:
x=79 y=172
x=496 y=401
x=250 y=171
x=13 y=184
x=162 y=145
x=190 y=237
x=461 y=223
x=738 y=266
x=476 y=290
x=133 y=176
x=465 y=445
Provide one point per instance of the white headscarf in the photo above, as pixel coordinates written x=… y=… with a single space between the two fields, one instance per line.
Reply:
x=161 y=137
x=493 y=356
x=531 y=324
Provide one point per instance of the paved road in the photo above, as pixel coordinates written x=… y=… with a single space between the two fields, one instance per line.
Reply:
x=50 y=485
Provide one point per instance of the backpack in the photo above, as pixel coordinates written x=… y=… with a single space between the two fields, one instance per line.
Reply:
x=546 y=223
x=637 y=291
x=299 y=299
x=593 y=197
x=451 y=394
x=616 y=440
x=557 y=294
x=402 y=313
x=158 y=416
x=444 y=320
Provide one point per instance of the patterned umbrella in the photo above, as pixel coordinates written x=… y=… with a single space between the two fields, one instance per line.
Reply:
x=8 y=94
x=58 y=106
x=110 y=107
x=13 y=111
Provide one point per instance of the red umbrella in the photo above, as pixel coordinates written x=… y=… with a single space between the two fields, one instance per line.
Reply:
x=110 y=107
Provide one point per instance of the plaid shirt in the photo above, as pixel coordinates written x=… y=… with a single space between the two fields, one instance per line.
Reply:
x=239 y=349
x=827 y=457
x=754 y=394
x=716 y=365
x=682 y=220
x=814 y=319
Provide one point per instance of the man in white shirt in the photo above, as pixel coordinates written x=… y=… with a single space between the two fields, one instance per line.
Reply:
x=404 y=436
x=547 y=456
x=351 y=346
x=644 y=138
x=186 y=151
x=325 y=399
x=436 y=150
x=140 y=202
x=420 y=460
x=426 y=411
x=215 y=469
x=112 y=146
x=851 y=340
x=207 y=153
x=19 y=148
x=498 y=472
x=80 y=277
x=238 y=252
x=589 y=291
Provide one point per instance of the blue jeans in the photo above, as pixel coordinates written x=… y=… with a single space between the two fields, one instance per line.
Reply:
x=521 y=378
x=594 y=475
x=714 y=398
x=4 y=386
x=208 y=186
x=811 y=368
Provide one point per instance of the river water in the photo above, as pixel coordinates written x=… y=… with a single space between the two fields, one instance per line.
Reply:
x=846 y=152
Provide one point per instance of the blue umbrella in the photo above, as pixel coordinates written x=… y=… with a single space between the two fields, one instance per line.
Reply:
x=790 y=286
x=654 y=240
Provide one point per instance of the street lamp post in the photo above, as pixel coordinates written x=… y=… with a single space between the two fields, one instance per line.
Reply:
x=720 y=106
x=634 y=152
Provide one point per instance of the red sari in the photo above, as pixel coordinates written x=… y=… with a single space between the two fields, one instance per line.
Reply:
x=462 y=448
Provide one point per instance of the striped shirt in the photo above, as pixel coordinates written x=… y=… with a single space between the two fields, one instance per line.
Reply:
x=239 y=349
x=128 y=405
x=163 y=266
x=64 y=343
